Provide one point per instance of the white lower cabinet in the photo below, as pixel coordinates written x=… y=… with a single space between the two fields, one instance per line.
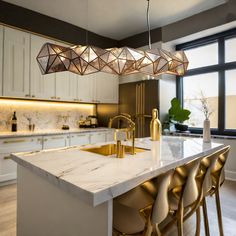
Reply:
x=109 y=136
x=97 y=137
x=11 y=145
x=55 y=141
x=79 y=139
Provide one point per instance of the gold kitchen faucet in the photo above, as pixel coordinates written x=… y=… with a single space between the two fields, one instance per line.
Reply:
x=130 y=129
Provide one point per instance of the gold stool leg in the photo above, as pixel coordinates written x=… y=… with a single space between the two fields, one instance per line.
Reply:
x=180 y=218
x=206 y=224
x=219 y=215
x=198 y=221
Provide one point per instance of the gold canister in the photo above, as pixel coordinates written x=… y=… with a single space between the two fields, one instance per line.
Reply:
x=155 y=126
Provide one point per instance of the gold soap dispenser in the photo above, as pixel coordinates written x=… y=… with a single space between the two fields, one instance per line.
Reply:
x=155 y=126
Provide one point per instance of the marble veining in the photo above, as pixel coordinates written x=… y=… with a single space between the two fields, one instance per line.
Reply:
x=95 y=178
x=45 y=115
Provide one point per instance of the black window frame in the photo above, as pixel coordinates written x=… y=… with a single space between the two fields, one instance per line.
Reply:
x=221 y=67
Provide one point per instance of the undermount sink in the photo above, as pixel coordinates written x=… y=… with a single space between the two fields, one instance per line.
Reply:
x=111 y=149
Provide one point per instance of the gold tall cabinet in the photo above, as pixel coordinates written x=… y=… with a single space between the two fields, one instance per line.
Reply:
x=138 y=99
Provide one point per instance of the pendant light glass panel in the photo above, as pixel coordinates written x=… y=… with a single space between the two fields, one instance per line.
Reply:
x=122 y=61
x=179 y=63
x=86 y=59
x=53 y=58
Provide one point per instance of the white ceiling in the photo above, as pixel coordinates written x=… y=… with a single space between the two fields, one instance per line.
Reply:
x=117 y=19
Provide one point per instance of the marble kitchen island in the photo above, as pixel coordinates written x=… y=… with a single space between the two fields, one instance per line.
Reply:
x=69 y=191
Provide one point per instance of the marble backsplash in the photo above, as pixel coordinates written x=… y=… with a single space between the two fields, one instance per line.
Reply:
x=45 y=115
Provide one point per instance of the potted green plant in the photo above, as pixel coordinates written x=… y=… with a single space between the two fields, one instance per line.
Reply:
x=178 y=115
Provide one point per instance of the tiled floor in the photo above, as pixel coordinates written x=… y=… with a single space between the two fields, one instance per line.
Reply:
x=228 y=201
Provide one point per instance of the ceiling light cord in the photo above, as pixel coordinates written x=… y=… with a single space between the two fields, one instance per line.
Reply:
x=148 y=25
x=87 y=24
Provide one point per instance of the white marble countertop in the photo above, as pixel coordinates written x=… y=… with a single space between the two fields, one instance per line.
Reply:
x=95 y=178
x=50 y=132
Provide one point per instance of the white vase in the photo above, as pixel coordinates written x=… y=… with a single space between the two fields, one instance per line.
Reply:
x=206 y=131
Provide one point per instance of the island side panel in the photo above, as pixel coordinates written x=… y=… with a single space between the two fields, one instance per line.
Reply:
x=44 y=209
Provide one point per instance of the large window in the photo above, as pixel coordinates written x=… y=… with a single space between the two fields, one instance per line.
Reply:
x=211 y=77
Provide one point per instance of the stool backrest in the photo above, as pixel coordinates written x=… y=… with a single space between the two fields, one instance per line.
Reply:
x=160 y=208
x=184 y=184
x=218 y=171
x=213 y=165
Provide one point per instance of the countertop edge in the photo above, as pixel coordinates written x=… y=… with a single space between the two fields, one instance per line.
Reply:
x=56 y=132
x=102 y=196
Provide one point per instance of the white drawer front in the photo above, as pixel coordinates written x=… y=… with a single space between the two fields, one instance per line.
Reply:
x=79 y=139
x=22 y=144
x=98 y=137
x=109 y=136
x=55 y=141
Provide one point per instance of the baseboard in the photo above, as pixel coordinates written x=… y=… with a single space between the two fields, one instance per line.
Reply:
x=7 y=182
x=230 y=175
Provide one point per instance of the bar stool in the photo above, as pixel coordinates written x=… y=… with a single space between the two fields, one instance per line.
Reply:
x=141 y=210
x=184 y=197
x=213 y=181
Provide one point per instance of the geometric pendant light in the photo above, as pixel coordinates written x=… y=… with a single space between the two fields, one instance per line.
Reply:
x=87 y=59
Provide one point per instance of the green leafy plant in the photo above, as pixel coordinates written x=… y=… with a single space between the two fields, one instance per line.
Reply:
x=177 y=113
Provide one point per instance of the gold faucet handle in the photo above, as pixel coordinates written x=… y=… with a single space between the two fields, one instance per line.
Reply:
x=120 y=150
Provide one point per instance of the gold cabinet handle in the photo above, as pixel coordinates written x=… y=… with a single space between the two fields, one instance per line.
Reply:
x=27 y=95
x=57 y=137
x=58 y=98
x=7 y=157
x=53 y=97
x=14 y=141
x=45 y=139
x=33 y=96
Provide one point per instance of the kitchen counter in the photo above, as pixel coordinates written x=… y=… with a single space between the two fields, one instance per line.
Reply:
x=74 y=170
x=77 y=187
x=9 y=134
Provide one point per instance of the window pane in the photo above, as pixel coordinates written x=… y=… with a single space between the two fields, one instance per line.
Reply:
x=230 y=102
x=195 y=88
x=202 y=56
x=230 y=49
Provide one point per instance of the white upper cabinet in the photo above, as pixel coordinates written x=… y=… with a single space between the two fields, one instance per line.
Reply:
x=41 y=86
x=86 y=90
x=66 y=86
x=16 y=63
x=1 y=57
x=20 y=75
x=106 y=88
x=66 y=83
